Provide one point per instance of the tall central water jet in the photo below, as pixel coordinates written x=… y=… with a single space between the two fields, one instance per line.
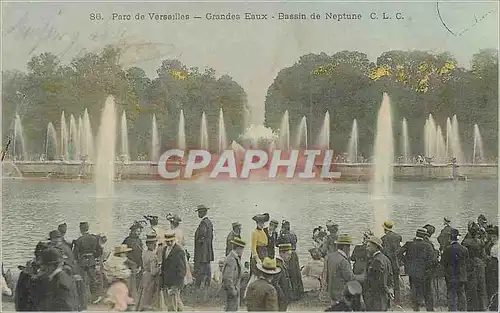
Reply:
x=155 y=141
x=383 y=159
x=352 y=149
x=106 y=145
x=125 y=156
x=324 y=134
x=284 y=135
x=478 y=149
x=181 y=132
x=222 y=141
x=301 y=134
x=405 y=142
x=203 y=132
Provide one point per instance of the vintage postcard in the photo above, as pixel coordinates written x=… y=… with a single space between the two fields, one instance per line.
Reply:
x=253 y=156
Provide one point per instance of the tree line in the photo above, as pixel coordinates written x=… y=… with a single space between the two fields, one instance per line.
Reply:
x=49 y=87
x=347 y=84
x=419 y=83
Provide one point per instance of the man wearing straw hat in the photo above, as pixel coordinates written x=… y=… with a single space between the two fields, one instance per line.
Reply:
x=378 y=285
x=234 y=233
x=231 y=274
x=173 y=271
x=261 y=295
x=338 y=270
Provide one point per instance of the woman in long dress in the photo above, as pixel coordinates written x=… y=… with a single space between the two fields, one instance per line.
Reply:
x=150 y=296
x=175 y=221
x=259 y=248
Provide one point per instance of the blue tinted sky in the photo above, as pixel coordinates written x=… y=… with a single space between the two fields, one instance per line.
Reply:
x=252 y=52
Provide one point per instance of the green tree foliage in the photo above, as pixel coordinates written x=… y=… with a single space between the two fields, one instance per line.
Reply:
x=349 y=86
x=49 y=87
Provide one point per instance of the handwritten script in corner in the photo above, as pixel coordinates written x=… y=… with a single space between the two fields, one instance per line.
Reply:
x=133 y=50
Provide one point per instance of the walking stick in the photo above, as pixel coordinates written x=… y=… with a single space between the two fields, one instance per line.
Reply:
x=4 y=152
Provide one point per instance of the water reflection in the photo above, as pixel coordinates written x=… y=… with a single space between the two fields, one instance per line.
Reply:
x=32 y=208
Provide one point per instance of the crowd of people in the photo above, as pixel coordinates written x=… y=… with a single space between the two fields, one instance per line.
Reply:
x=70 y=276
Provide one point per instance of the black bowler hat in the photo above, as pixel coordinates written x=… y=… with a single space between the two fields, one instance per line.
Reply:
x=54 y=234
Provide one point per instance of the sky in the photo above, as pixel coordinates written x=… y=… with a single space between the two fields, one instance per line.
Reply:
x=251 y=51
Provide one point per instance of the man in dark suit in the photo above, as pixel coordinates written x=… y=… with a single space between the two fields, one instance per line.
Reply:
x=391 y=243
x=454 y=262
x=272 y=237
x=203 y=248
x=378 y=285
x=419 y=255
x=87 y=251
x=63 y=228
x=173 y=271
x=60 y=294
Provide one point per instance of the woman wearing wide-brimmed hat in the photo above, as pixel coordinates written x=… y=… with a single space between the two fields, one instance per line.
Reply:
x=312 y=271
x=118 y=271
x=258 y=246
x=150 y=296
x=259 y=241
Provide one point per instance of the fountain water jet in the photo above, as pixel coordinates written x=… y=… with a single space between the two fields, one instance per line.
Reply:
x=81 y=137
x=324 y=134
x=448 y=139
x=203 y=132
x=455 y=141
x=104 y=174
x=64 y=137
x=222 y=140
x=88 y=140
x=440 y=146
x=155 y=141
x=405 y=141
x=18 y=142
x=478 y=149
x=383 y=159
x=106 y=145
x=430 y=137
x=181 y=132
x=73 y=139
x=284 y=134
x=124 y=139
x=352 y=148
x=51 y=143
x=301 y=134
